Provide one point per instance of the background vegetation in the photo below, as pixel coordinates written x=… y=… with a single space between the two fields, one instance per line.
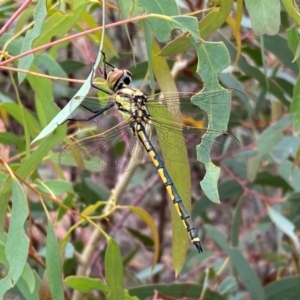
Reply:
x=67 y=236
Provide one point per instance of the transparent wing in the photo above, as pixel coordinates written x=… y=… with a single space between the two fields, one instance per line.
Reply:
x=224 y=142
x=184 y=110
x=111 y=149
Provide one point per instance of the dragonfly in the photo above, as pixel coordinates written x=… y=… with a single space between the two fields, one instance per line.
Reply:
x=128 y=118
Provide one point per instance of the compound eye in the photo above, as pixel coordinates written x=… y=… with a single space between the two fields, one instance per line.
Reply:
x=126 y=78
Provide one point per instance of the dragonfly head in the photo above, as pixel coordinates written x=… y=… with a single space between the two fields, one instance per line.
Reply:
x=118 y=79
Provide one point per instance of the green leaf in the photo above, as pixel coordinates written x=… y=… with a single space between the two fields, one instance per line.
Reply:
x=268 y=179
x=60 y=23
x=10 y=138
x=15 y=111
x=135 y=9
x=284 y=288
x=228 y=285
x=56 y=186
x=280 y=48
x=63 y=115
x=163 y=25
x=43 y=88
x=86 y=284
x=247 y=275
x=144 y=239
x=187 y=290
x=28 y=279
x=236 y=223
x=215 y=19
x=212 y=59
x=255 y=73
x=186 y=24
x=148 y=272
x=114 y=270
x=149 y=221
x=264 y=15
x=289 y=174
x=179 y=172
x=17 y=245
x=293 y=37
x=54 y=67
x=292 y=9
x=29 y=284
x=72 y=105
x=160 y=27
x=53 y=264
x=284 y=224
x=207 y=26
x=39 y=16
x=31 y=164
x=265 y=142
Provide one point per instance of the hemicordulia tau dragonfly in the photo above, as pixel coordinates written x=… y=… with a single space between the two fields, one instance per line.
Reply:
x=128 y=118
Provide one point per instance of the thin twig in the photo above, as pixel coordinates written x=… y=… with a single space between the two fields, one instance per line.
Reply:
x=14 y=16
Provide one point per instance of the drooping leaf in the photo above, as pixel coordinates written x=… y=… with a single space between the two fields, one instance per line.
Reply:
x=266 y=141
x=292 y=9
x=58 y=24
x=245 y=272
x=284 y=224
x=293 y=37
x=265 y=16
x=207 y=25
x=149 y=221
x=114 y=270
x=17 y=244
x=212 y=59
x=53 y=264
x=179 y=172
x=284 y=288
x=39 y=16
x=172 y=290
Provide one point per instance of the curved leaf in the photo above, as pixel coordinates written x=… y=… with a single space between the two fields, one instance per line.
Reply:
x=149 y=221
x=114 y=270
x=17 y=245
x=212 y=58
x=39 y=16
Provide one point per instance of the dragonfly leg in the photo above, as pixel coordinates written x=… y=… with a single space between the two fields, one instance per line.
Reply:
x=99 y=88
x=95 y=113
x=106 y=63
x=105 y=76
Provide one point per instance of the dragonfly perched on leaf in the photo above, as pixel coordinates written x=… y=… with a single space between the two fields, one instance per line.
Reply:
x=127 y=118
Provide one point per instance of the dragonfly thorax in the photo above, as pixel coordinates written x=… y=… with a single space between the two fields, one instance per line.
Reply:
x=131 y=103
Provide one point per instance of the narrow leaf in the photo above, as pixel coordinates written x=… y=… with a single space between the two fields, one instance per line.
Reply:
x=39 y=16
x=86 y=284
x=17 y=245
x=179 y=172
x=247 y=275
x=284 y=224
x=149 y=221
x=285 y=288
x=114 y=271
x=53 y=264
x=292 y=9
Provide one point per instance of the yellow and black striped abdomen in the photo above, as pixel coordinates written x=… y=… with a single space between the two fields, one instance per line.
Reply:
x=171 y=189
